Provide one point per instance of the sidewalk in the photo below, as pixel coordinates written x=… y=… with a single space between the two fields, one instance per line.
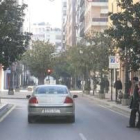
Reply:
x=125 y=110
x=4 y=108
x=17 y=95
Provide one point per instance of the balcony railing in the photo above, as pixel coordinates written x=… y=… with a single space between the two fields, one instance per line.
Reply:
x=99 y=0
x=100 y=19
x=103 y=3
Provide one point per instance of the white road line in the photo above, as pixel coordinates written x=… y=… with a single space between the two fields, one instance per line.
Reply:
x=114 y=111
x=82 y=136
x=4 y=116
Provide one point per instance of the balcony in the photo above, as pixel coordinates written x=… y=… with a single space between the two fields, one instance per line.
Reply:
x=104 y=11
x=99 y=21
x=100 y=3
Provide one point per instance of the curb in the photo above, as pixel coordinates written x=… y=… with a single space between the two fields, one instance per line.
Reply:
x=4 y=109
x=113 y=107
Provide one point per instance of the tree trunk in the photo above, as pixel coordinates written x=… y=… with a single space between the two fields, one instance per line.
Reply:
x=41 y=80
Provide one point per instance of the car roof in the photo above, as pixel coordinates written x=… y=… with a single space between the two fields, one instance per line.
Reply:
x=63 y=86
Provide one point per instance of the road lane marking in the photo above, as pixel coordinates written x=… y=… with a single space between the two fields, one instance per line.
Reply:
x=114 y=111
x=5 y=115
x=108 y=108
x=82 y=136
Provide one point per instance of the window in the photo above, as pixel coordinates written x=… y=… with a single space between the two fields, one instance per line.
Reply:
x=51 y=90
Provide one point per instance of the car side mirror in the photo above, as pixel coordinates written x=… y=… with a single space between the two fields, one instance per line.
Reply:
x=28 y=96
x=75 y=96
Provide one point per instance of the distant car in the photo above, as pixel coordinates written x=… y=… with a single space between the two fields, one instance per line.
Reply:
x=51 y=101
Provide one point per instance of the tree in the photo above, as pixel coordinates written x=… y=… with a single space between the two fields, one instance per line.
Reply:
x=101 y=45
x=125 y=30
x=13 y=42
x=63 y=70
x=93 y=56
x=39 y=59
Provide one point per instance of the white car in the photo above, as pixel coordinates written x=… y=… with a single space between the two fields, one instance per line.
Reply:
x=51 y=101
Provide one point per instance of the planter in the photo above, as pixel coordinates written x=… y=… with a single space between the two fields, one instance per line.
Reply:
x=17 y=90
x=125 y=102
x=101 y=96
x=11 y=92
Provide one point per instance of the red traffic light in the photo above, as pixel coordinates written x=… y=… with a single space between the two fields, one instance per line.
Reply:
x=49 y=71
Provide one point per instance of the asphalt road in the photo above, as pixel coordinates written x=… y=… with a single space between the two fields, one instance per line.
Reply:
x=93 y=122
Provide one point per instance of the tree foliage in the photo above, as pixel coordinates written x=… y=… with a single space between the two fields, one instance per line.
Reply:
x=125 y=30
x=13 y=42
x=39 y=59
x=91 y=57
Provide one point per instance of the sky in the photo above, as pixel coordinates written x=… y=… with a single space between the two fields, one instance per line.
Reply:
x=46 y=11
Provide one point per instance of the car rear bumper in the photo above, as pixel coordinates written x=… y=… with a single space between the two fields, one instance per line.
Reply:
x=51 y=111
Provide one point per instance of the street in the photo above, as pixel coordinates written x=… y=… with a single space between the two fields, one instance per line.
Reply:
x=93 y=122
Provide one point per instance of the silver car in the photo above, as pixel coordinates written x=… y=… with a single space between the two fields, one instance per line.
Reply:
x=51 y=100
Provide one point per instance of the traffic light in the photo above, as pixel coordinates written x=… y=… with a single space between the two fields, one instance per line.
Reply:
x=49 y=71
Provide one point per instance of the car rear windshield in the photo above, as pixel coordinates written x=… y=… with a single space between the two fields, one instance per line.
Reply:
x=51 y=90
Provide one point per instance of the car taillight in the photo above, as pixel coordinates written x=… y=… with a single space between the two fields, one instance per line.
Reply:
x=68 y=100
x=33 y=100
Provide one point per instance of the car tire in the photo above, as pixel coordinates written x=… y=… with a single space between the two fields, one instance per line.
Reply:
x=31 y=119
x=72 y=119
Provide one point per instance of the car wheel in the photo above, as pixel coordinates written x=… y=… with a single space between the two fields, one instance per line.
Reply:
x=31 y=119
x=72 y=119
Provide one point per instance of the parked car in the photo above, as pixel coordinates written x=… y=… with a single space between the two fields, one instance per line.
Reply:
x=51 y=101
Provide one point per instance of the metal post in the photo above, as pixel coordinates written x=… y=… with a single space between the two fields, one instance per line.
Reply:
x=126 y=75
x=111 y=85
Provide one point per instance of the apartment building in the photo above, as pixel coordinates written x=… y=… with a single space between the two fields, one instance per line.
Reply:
x=80 y=20
x=64 y=16
x=96 y=15
x=70 y=29
x=91 y=16
x=43 y=31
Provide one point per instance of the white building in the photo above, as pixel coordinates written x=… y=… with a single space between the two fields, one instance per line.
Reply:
x=64 y=17
x=44 y=32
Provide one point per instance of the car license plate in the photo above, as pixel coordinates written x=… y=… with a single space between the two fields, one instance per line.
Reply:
x=51 y=111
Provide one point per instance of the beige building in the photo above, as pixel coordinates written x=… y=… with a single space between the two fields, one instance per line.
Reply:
x=96 y=15
x=70 y=23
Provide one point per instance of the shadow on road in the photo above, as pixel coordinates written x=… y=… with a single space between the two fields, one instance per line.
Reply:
x=44 y=120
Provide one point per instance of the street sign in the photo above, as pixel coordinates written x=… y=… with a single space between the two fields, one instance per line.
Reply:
x=114 y=62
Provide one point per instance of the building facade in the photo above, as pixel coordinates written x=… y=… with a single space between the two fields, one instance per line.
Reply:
x=96 y=15
x=44 y=32
x=64 y=16
x=70 y=29
x=91 y=16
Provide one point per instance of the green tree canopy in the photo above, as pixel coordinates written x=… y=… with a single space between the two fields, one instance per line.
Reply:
x=125 y=30
x=13 y=42
x=39 y=59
